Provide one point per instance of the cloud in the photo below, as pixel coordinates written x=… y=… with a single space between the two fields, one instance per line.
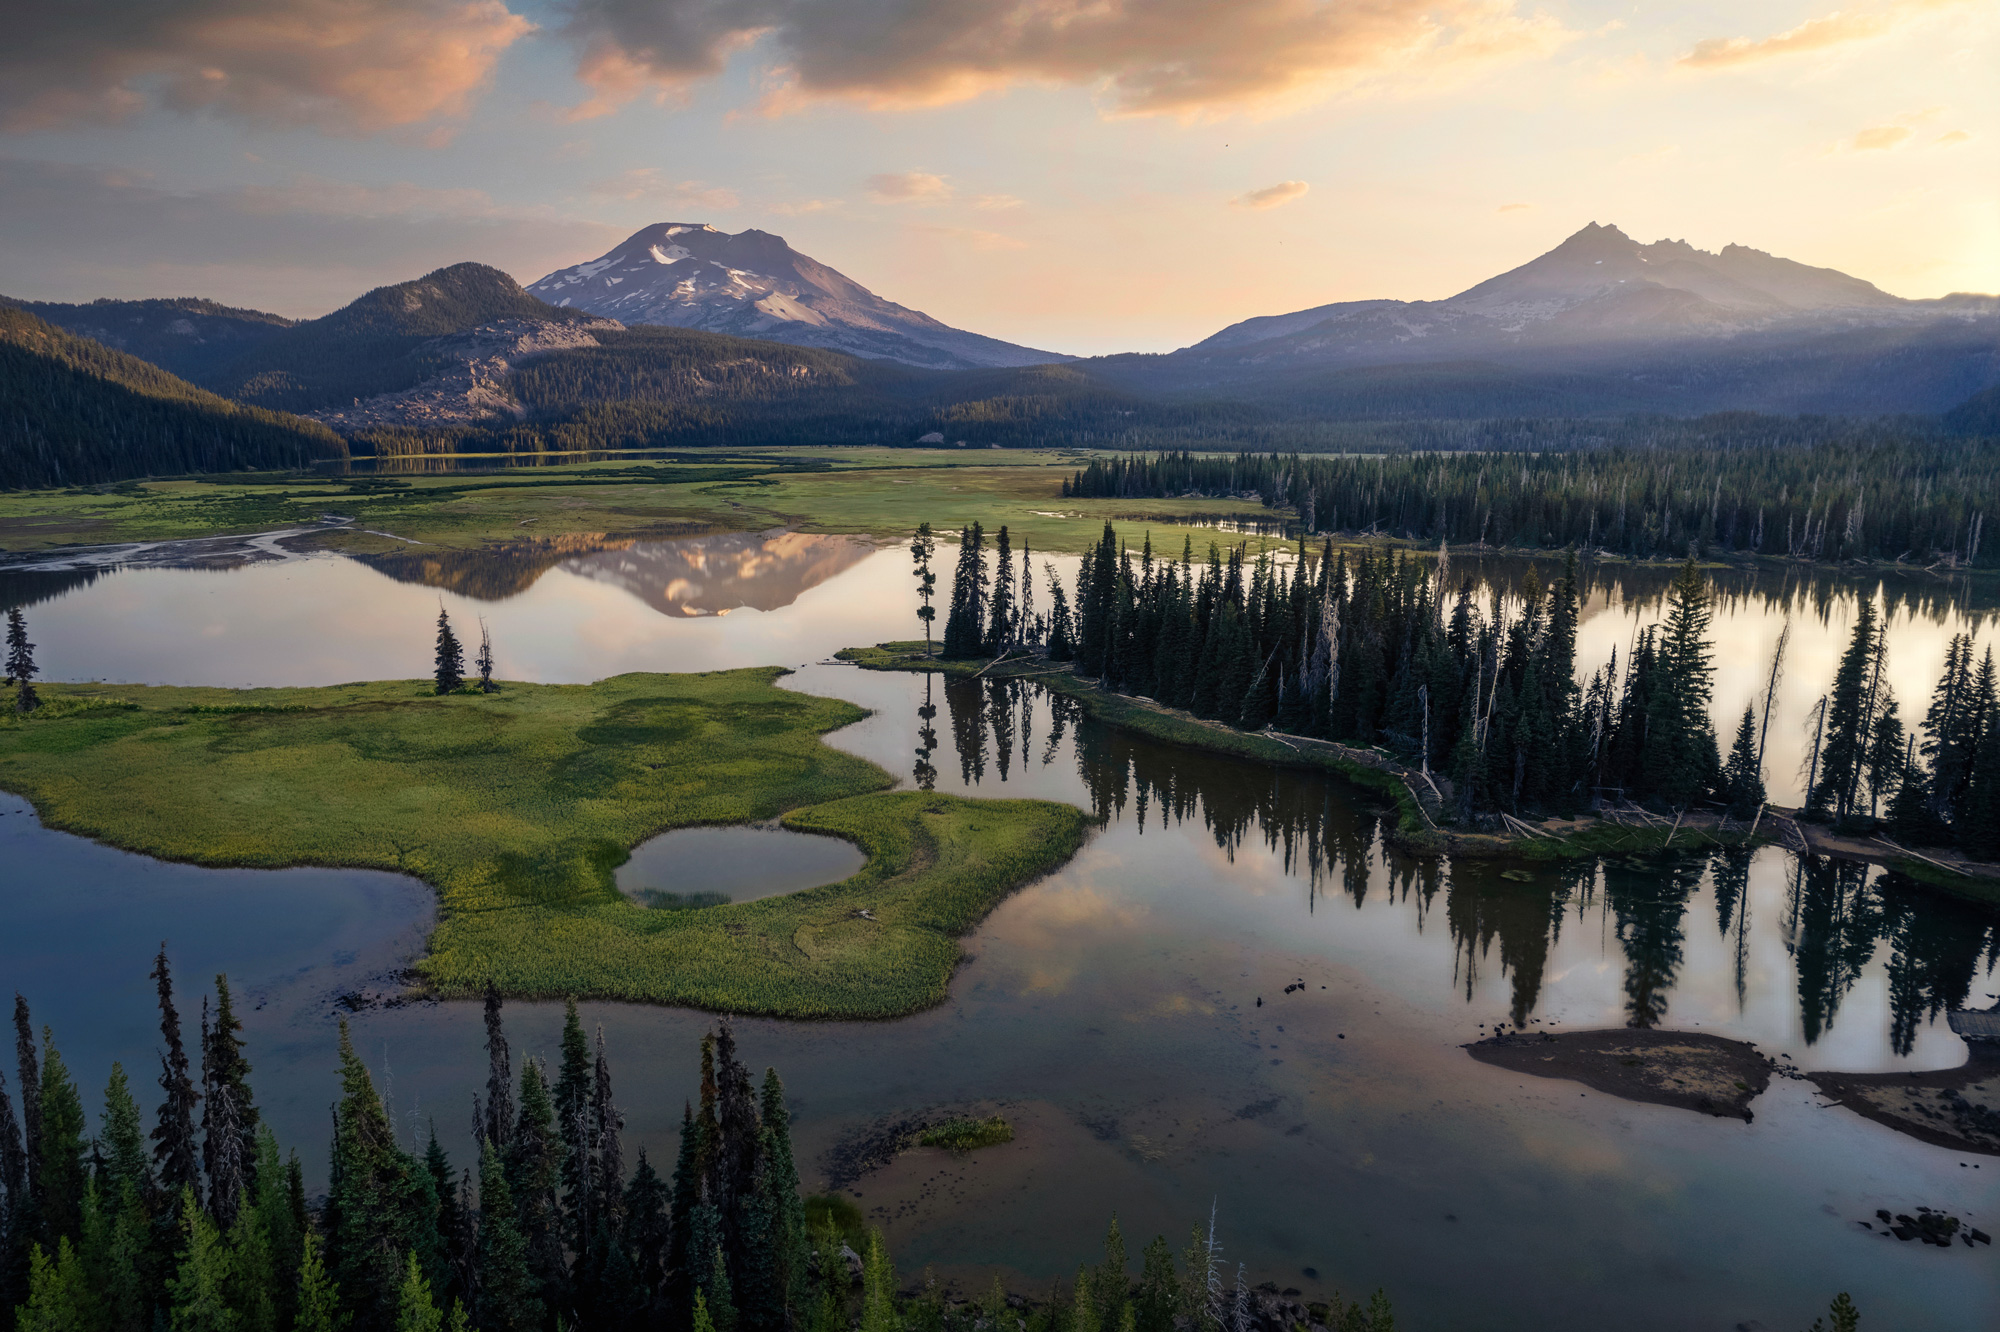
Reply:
x=1513 y=208
x=977 y=239
x=654 y=186
x=1142 y=57
x=300 y=247
x=348 y=66
x=1950 y=137
x=915 y=187
x=1272 y=196
x=993 y=202
x=1816 y=34
x=1878 y=137
x=803 y=206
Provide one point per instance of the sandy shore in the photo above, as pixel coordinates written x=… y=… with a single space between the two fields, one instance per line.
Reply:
x=1957 y=1108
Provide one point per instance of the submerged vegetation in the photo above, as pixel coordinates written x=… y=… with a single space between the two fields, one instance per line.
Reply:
x=517 y=806
x=968 y=1135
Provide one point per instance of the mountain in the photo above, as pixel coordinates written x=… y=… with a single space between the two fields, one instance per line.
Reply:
x=75 y=412
x=396 y=338
x=1603 y=324
x=183 y=335
x=753 y=285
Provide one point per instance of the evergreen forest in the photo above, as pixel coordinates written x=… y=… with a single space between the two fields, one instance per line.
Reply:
x=203 y=1222
x=1485 y=702
x=1860 y=495
x=75 y=412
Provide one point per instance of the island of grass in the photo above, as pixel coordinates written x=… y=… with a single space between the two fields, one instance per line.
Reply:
x=517 y=806
x=967 y=1135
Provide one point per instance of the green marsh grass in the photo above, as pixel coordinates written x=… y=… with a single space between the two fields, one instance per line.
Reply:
x=517 y=806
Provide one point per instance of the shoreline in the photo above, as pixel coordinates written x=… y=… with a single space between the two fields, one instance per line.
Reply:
x=1688 y=1070
x=1417 y=828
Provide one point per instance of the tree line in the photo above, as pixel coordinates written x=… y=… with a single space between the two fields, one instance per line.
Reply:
x=1387 y=652
x=203 y=1224
x=1935 y=783
x=1863 y=496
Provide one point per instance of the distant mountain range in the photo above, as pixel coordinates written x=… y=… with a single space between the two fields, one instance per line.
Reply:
x=753 y=285
x=687 y=336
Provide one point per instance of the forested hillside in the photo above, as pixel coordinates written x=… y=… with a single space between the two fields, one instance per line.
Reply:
x=1857 y=495
x=381 y=343
x=74 y=412
x=183 y=335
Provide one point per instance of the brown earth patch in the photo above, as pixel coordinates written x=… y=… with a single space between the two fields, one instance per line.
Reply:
x=1691 y=1070
x=1958 y=1108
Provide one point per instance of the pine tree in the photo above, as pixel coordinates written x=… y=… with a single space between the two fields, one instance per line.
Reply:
x=878 y=1288
x=27 y=1206
x=1681 y=759
x=792 y=1244
x=63 y=1173
x=1843 y=756
x=1978 y=825
x=415 y=1310
x=229 y=1144
x=449 y=671
x=1000 y=632
x=497 y=1124
x=484 y=661
x=21 y=668
x=59 y=1295
x=648 y=1240
x=507 y=1299
x=318 y=1299
x=964 y=624
x=534 y=1173
x=173 y=1140
x=1062 y=644
x=922 y=547
x=381 y=1204
x=1741 y=778
x=199 y=1289
x=572 y=1108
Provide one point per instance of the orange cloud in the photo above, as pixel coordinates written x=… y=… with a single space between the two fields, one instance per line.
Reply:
x=1144 y=57
x=915 y=187
x=1272 y=196
x=1878 y=137
x=1813 y=35
x=350 y=66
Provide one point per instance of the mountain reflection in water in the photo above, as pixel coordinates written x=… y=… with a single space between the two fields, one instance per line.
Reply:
x=1839 y=924
x=686 y=576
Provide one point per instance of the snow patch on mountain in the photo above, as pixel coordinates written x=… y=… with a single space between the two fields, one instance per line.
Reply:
x=752 y=284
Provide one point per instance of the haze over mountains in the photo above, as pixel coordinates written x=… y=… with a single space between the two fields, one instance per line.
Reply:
x=686 y=336
x=753 y=285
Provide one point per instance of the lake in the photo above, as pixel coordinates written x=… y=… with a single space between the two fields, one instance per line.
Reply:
x=1111 y=1010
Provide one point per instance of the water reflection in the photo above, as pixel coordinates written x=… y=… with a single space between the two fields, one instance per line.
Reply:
x=707 y=575
x=1550 y=931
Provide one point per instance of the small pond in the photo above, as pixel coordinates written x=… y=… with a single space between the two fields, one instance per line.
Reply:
x=698 y=867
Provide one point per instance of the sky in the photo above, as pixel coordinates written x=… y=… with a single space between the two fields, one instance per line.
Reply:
x=1083 y=176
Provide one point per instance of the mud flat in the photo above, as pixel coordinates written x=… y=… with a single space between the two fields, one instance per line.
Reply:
x=1691 y=1070
x=1958 y=1108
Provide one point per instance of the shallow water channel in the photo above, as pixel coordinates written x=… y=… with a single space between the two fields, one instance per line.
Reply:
x=1111 y=1010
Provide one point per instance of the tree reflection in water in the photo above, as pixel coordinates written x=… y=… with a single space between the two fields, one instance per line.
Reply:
x=1327 y=833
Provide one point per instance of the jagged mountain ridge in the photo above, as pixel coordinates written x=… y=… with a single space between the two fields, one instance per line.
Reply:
x=752 y=284
x=1597 y=285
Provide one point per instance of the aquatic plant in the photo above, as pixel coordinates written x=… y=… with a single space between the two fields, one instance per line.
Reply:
x=966 y=1135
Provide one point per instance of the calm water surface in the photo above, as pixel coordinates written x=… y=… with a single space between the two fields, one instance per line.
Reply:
x=1111 y=1009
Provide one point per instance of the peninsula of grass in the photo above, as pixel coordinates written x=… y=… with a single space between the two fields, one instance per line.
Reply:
x=517 y=806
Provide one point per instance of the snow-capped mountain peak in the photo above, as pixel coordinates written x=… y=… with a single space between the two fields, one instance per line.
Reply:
x=752 y=284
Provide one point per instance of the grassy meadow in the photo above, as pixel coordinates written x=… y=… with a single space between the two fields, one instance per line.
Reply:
x=881 y=493
x=517 y=806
